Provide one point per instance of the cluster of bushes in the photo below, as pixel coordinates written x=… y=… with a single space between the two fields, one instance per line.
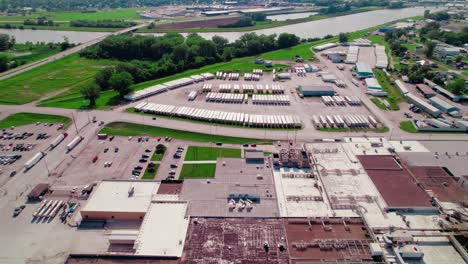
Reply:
x=149 y=57
x=246 y=21
x=108 y=23
x=432 y=31
x=40 y=21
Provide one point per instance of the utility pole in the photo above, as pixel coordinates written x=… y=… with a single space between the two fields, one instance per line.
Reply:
x=74 y=122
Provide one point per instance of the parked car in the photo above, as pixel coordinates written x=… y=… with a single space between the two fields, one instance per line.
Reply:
x=173 y=165
x=143 y=160
x=18 y=210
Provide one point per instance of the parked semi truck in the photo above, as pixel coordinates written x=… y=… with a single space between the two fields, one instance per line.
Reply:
x=58 y=140
x=74 y=142
x=34 y=160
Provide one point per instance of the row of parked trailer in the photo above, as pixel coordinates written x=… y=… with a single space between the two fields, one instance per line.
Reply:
x=341 y=100
x=227 y=98
x=246 y=88
x=300 y=71
x=48 y=209
x=231 y=76
x=252 y=120
x=252 y=77
x=174 y=84
x=270 y=99
x=350 y=121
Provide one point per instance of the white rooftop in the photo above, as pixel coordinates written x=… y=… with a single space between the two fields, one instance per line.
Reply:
x=113 y=196
x=163 y=230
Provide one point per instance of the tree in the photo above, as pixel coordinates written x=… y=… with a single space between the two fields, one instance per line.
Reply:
x=426 y=13
x=102 y=78
x=92 y=93
x=459 y=58
x=65 y=44
x=286 y=40
x=343 y=37
x=3 y=63
x=430 y=47
x=4 y=42
x=121 y=82
x=457 y=86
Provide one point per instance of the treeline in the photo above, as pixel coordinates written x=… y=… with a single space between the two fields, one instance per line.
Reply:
x=107 y=23
x=40 y=21
x=432 y=31
x=147 y=57
x=338 y=6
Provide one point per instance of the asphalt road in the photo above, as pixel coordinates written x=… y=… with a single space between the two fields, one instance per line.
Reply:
x=30 y=66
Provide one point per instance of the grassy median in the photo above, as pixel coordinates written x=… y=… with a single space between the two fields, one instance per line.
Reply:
x=131 y=129
x=21 y=119
x=197 y=171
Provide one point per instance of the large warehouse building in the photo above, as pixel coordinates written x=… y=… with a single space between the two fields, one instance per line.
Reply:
x=363 y=70
x=317 y=90
x=120 y=200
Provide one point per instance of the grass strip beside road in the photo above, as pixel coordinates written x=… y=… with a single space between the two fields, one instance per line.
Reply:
x=197 y=171
x=344 y=129
x=408 y=126
x=131 y=129
x=21 y=119
x=211 y=153
x=394 y=95
x=378 y=103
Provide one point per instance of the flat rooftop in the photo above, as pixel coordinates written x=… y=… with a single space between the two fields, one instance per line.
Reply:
x=394 y=183
x=235 y=240
x=209 y=197
x=307 y=239
x=163 y=230
x=437 y=181
x=113 y=196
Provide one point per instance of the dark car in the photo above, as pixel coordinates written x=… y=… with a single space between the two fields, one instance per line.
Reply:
x=143 y=160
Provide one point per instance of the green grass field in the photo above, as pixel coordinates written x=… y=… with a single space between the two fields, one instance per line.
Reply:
x=197 y=171
x=408 y=126
x=21 y=119
x=394 y=95
x=30 y=53
x=69 y=72
x=211 y=153
x=302 y=50
x=378 y=103
x=120 y=13
x=62 y=26
x=158 y=156
x=148 y=175
x=130 y=129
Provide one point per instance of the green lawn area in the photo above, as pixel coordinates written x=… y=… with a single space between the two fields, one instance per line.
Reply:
x=197 y=171
x=158 y=156
x=131 y=129
x=211 y=153
x=408 y=126
x=30 y=53
x=119 y=13
x=302 y=50
x=150 y=173
x=69 y=72
x=342 y=129
x=21 y=119
x=394 y=95
x=378 y=103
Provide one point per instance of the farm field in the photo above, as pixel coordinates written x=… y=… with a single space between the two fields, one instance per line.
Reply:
x=21 y=119
x=197 y=171
x=130 y=129
x=208 y=23
x=211 y=153
x=120 y=13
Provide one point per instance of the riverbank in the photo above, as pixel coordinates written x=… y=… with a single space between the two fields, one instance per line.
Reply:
x=259 y=25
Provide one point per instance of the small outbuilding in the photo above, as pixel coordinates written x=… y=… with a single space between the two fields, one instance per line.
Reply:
x=363 y=70
x=38 y=191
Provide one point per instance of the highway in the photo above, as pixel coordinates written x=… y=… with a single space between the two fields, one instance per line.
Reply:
x=30 y=66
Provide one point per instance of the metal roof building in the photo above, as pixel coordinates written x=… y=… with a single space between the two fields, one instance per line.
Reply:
x=373 y=84
x=363 y=70
x=317 y=90
x=423 y=105
x=442 y=105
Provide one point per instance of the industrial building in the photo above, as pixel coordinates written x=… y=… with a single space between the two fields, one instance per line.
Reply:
x=335 y=57
x=119 y=200
x=425 y=90
x=317 y=90
x=381 y=56
x=325 y=46
x=423 y=105
x=363 y=70
x=373 y=84
x=442 y=105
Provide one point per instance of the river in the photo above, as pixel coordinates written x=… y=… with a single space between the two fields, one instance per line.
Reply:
x=319 y=28
x=284 y=17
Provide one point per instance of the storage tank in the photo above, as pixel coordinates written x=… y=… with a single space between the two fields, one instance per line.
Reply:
x=74 y=142
x=58 y=140
x=34 y=160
